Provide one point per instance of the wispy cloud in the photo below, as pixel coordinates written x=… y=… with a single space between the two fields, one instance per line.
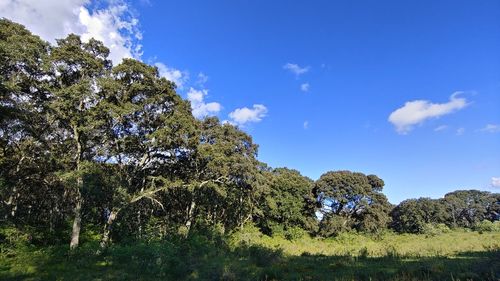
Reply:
x=417 y=111
x=201 y=79
x=460 y=131
x=296 y=69
x=199 y=108
x=440 y=128
x=495 y=182
x=304 y=87
x=114 y=24
x=241 y=116
x=172 y=74
x=306 y=125
x=491 y=128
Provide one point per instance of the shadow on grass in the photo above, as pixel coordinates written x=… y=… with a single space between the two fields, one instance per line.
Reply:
x=198 y=258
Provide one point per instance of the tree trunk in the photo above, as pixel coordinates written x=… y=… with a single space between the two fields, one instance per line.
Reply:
x=12 y=202
x=189 y=221
x=77 y=222
x=139 y=221
x=107 y=229
x=240 y=212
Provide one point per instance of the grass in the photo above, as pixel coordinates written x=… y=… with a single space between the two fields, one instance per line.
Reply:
x=389 y=243
x=249 y=255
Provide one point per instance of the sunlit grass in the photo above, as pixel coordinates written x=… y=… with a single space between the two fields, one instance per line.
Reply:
x=386 y=244
x=250 y=255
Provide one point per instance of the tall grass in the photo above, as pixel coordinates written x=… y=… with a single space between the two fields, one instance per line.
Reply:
x=250 y=255
x=449 y=243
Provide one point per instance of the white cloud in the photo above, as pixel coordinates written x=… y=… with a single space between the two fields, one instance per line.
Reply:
x=440 y=128
x=416 y=112
x=172 y=74
x=199 y=107
x=306 y=125
x=460 y=131
x=49 y=19
x=491 y=128
x=241 y=116
x=304 y=87
x=495 y=182
x=202 y=79
x=296 y=69
x=114 y=24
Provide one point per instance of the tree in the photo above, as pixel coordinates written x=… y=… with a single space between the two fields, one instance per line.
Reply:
x=376 y=218
x=413 y=214
x=466 y=208
x=76 y=70
x=350 y=200
x=289 y=201
x=148 y=132
x=226 y=157
x=26 y=166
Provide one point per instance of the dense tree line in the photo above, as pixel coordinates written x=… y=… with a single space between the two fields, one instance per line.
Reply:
x=91 y=147
x=462 y=208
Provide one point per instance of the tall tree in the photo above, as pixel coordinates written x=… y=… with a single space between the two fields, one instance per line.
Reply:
x=226 y=162
x=24 y=162
x=347 y=199
x=77 y=68
x=148 y=133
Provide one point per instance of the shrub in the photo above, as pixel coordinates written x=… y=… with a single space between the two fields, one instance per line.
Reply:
x=333 y=225
x=487 y=226
x=294 y=233
x=277 y=230
x=431 y=229
x=262 y=257
x=11 y=236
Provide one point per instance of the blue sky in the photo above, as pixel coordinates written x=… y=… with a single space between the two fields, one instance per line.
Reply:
x=315 y=82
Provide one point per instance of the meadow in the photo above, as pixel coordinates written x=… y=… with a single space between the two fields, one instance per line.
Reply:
x=251 y=255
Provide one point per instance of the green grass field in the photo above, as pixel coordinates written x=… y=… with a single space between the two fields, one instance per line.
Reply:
x=406 y=245
x=249 y=255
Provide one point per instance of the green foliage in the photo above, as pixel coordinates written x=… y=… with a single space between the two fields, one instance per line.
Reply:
x=351 y=200
x=488 y=226
x=462 y=208
x=413 y=215
x=431 y=229
x=333 y=225
x=12 y=237
x=288 y=201
x=469 y=207
x=295 y=233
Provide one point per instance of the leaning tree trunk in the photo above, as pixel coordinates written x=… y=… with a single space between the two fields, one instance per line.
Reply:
x=189 y=221
x=77 y=222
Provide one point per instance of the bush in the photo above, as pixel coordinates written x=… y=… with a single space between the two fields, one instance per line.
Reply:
x=262 y=257
x=333 y=225
x=277 y=230
x=294 y=233
x=11 y=236
x=431 y=229
x=488 y=226
x=245 y=236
